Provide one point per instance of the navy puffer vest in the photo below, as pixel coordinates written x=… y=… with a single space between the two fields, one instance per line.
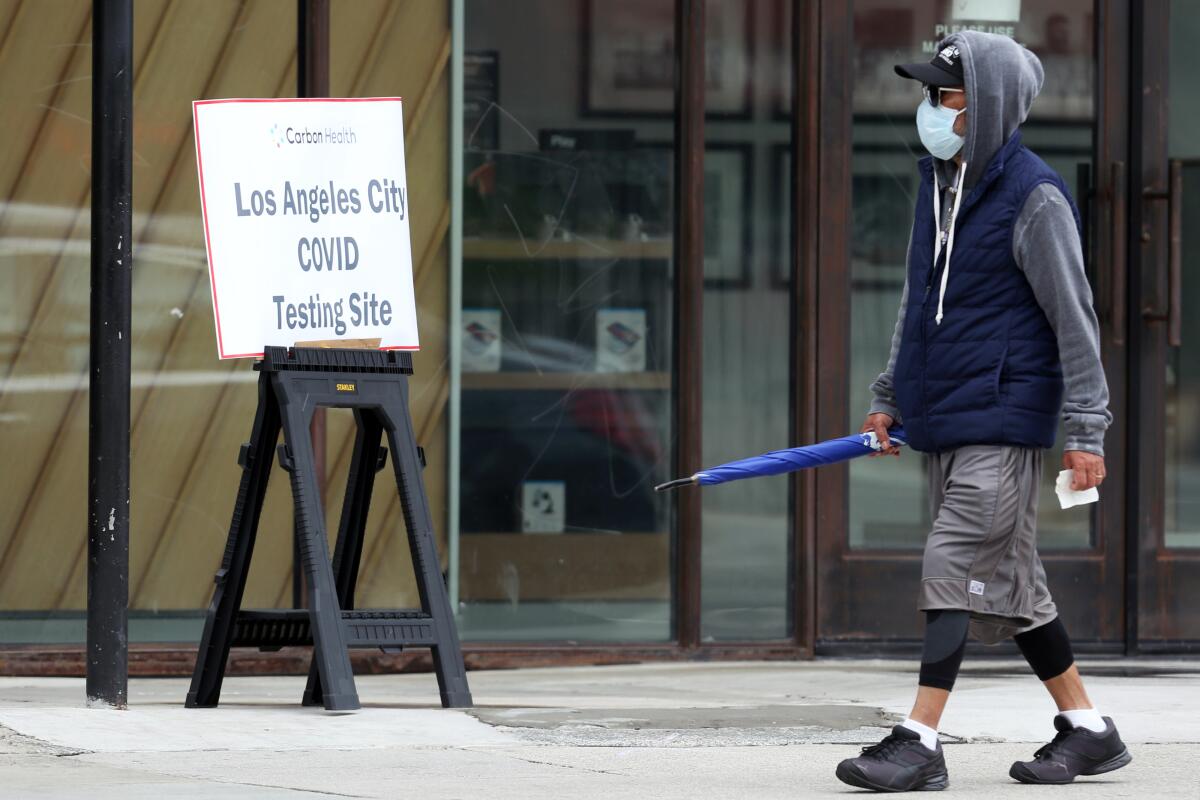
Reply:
x=990 y=373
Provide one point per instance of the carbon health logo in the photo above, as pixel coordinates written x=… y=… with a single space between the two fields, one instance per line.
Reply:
x=290 y=136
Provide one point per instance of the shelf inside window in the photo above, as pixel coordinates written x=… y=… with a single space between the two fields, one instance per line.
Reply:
x=566 y=381
x=575 y=249
x=558 y=566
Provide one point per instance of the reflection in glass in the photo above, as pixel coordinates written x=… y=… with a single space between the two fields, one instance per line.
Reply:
x=889 y=505
x=191 y=412
x=1183 y=387
x=45 y=70
x=407 y=60
x=566 y=321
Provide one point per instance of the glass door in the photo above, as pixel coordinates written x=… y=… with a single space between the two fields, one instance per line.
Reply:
x=1166 y=260
x=871 y=550
x=564 y=327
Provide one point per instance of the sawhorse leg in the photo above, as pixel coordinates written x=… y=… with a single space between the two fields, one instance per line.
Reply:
x=447 y=654
x=256 y=459
x=325 y=618
x=347 y=554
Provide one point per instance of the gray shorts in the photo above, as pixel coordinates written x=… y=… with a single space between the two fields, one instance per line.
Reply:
x=981 y=555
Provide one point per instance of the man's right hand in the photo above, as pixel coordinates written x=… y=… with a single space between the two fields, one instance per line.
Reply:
x=879 y=424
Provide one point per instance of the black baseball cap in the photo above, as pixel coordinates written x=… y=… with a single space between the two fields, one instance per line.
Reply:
x=944 y=70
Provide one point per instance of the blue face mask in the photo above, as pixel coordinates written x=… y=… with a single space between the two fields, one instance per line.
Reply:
x=935 y=124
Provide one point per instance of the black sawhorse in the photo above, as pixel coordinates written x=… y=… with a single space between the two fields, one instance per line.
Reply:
x=291 y=384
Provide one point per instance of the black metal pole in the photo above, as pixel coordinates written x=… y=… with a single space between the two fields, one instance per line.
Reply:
x=111 y=302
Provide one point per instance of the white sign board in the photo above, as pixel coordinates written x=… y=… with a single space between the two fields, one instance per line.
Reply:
x=306 y=213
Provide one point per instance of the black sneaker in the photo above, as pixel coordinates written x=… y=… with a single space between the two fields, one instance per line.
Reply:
x=1074 y=751
x=900 y=763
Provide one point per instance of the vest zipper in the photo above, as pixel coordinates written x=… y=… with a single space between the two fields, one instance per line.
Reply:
x=929 y=279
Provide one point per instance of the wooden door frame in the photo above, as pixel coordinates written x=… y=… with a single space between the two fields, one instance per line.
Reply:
x=806 y=179
x=807 y=54
x=688 y=316
x=1109 y=251
x=832 y=289
x=1110 y=245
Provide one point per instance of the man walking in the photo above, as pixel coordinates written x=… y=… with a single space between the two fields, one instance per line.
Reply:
x=995 y=324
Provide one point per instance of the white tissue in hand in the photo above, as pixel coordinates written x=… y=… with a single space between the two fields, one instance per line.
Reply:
x=1068 y=497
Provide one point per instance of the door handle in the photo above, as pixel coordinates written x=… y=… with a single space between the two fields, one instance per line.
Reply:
x=1117 y=242
x=1175 y=254
x=1174 y=198
x=1085 y=193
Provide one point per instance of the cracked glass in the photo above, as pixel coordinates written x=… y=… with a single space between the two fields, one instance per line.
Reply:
x=567 y=271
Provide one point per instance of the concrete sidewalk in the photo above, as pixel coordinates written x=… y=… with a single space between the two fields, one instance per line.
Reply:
x=747 y=730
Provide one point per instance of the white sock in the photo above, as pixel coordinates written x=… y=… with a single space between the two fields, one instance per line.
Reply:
x=1086 y=718
x=928 y=734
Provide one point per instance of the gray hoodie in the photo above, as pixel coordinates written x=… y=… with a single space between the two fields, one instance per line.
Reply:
x=1002 y=78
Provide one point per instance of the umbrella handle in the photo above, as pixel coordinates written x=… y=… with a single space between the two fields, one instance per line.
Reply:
x=675 y=484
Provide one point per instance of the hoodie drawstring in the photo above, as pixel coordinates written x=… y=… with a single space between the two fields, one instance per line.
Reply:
x=937 y=236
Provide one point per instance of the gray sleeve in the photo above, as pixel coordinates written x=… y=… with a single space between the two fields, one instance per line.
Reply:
x=883 y=389
x=1046 y=247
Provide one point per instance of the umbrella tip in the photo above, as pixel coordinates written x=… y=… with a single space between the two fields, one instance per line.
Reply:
x=675 y=484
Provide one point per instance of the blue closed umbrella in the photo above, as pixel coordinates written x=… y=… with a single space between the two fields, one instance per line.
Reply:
x=778 y=462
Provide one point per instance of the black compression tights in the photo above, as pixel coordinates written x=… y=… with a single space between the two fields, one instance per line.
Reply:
x=945 y=640
x=1047 y=649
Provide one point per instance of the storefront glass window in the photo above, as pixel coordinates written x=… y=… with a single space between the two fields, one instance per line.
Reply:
x=566 y=365
x=190 y=412
x=1183 y=366
x=747 y=316
x=45 y=86
x=381 y=48
x=889 y=503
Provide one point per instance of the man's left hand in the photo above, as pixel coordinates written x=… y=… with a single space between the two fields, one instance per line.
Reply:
x=1088 y=467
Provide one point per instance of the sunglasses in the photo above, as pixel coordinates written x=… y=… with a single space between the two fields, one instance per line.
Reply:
x=934 y=93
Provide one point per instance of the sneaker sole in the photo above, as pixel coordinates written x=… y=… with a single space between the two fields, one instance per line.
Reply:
x=934 y=783
x=1020 y=773
x=1112 y=764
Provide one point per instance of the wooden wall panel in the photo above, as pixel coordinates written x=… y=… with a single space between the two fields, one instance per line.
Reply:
x=190 y=412
x=251 y=59
x=181 y=53
x=380 y=47
x=37 y=64
x=209 y=54
x=46 y=206
x=165 y=201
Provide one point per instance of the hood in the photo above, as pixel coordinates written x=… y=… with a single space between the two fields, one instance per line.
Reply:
x=1001 y=79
